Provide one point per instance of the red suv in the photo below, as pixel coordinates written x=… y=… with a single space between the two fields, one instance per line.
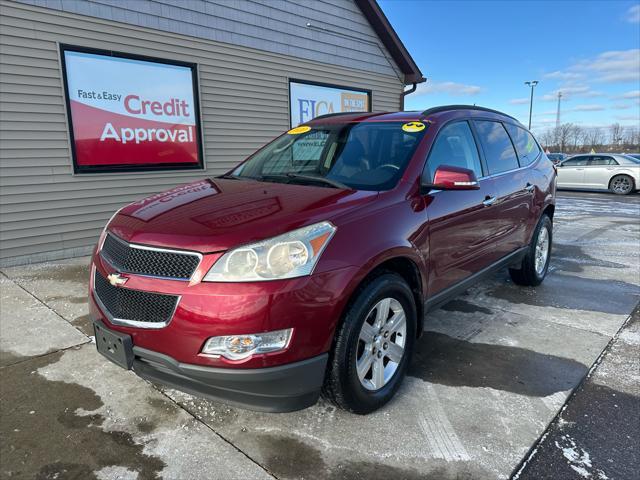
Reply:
x=311 y=265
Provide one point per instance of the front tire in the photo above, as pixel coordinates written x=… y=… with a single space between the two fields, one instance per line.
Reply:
x=373 y=346
x=535 y=264
x=621 y=185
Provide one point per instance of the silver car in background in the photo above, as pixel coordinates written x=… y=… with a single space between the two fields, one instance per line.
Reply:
x=617 y=173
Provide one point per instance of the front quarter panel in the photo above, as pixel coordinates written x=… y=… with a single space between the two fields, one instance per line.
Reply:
x=367 y=240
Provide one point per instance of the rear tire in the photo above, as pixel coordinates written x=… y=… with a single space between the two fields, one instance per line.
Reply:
x=535 y=264
x=353 y=382
x=621 y=185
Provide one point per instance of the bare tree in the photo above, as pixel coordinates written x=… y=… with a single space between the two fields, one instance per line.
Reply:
x=548 y=139
x=595 y=138
x=631 y=139
x=563 y=134
x=574 y=135
x=571 y=138
x=615 y=132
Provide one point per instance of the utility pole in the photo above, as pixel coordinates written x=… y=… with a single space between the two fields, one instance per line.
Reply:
x=558 y=112
x=531 y=84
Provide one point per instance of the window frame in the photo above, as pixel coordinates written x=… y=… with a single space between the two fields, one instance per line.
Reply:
x=467 y=120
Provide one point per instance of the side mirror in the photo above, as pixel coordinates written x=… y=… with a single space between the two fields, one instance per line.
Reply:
x=448 y=177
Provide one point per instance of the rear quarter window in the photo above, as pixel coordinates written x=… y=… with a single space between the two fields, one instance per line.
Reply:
x=525 y=144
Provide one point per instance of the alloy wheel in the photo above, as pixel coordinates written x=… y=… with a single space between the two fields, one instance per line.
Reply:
x=381 y=344
x=621 y=185
x=542 y=250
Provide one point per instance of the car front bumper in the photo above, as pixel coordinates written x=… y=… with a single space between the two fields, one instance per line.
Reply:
x=283 y=388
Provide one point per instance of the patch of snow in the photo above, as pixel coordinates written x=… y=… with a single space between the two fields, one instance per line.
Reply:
x=579 y=459
x=116 y=473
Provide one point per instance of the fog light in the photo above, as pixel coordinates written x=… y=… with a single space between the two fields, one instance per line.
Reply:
x=237 y=347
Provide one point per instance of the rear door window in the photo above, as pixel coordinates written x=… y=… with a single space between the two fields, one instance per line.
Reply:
x=498 y=149
x=454 y=146
x=576 y=162
x=597 y=160
x=526 y=146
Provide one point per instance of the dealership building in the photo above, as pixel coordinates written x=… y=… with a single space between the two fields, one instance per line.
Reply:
x=104 y=102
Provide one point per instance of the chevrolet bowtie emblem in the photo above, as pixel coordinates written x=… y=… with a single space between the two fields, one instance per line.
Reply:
x=116 y=280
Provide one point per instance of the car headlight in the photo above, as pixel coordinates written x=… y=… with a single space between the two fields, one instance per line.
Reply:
x=291 y=255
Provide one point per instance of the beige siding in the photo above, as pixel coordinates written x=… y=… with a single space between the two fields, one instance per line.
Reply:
x=340 y=35
x=45 y=211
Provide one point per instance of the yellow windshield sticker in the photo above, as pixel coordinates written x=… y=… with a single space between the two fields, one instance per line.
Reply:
x=299 y=130
x=413 y=127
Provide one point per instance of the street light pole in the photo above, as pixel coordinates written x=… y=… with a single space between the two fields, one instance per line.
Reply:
x=531 y=84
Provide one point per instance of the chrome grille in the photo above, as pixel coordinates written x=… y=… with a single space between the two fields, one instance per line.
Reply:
x=155 y=262
x=134 y=307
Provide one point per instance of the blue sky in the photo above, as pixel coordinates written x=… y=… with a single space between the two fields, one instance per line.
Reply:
x=482 y=52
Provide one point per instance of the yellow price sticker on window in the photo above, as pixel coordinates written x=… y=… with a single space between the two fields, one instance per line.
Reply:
x=299 y=130
x=412 y=127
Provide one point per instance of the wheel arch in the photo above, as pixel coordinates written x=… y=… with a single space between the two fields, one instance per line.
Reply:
x=634 y=184
x=403 y=264
x=549 y=210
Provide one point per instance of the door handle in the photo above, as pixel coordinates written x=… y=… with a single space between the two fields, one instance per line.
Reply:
x=488 y=201
x=529 y=188
x=579 y=168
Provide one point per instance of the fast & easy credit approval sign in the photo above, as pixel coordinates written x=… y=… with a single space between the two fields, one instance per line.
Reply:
x=308 y=100
x=131 y=113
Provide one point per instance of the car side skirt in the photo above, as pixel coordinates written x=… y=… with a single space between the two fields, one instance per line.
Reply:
x=453 y=291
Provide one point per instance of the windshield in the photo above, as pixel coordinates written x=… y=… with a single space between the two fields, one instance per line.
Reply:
x=360 y=156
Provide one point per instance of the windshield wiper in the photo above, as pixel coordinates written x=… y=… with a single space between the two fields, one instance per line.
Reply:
x=230 y=176
x=306 y=178
x=313 y=178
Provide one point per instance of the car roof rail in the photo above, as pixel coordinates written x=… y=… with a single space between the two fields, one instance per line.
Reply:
x=327 y=115
x=446 y=108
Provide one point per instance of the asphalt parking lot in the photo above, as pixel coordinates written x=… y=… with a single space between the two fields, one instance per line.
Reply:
x=492 y=371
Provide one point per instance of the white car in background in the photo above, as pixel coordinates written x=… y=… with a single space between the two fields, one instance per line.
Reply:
x=617 y=173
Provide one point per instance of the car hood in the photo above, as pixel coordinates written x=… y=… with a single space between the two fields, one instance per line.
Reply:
x=217 y=214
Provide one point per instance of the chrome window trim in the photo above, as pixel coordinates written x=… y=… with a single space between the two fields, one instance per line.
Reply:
x=153 y=249
x=132 y=323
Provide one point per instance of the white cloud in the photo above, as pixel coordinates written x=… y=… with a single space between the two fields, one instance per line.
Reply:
x=621 y=106
x=450 y=88
x=628 y=117
x=612 y=67
x=587 y=108
x=633 y=14
x=544 y=114
x=616 y=66
x=577 y=91
x=519 y=101
x=629 y=95
x=559 y=75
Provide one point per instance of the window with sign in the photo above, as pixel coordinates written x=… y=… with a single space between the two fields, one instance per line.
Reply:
x=308 y=100
x=131 y=113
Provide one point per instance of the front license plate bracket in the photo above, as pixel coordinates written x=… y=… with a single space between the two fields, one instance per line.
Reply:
x=116 y=346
